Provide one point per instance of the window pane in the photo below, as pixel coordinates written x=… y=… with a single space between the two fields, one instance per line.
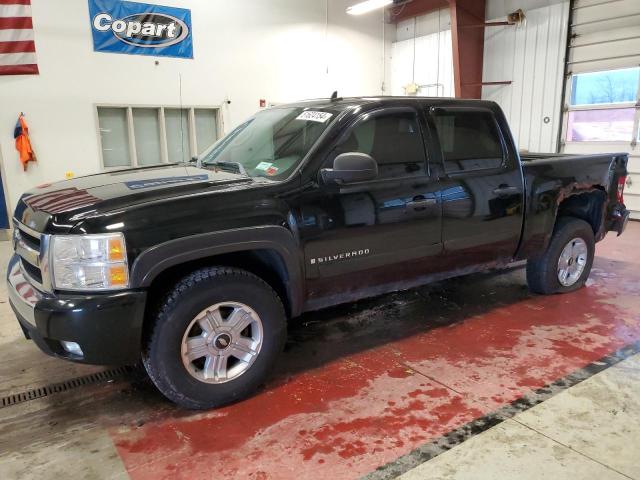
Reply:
x=614 y=86
x=394 y=142
x=146 y=127
x=206 y=128
x=469 y=140
x=611 y=125
x=114 y=135
x=177 y=122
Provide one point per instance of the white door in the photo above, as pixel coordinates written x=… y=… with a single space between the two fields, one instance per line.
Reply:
x=602 y=88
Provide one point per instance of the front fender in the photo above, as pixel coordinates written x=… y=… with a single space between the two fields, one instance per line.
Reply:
x=153 y=261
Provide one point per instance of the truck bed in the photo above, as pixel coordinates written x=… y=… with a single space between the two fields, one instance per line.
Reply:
x=563 y=157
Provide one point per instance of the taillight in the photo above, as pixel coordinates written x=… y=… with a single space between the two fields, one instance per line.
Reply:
x=620 y=193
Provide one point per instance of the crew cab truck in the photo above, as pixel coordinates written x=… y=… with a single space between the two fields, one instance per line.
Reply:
x=196 y=267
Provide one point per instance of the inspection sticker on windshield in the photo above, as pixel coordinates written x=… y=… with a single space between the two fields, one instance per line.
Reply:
x=312 y=116
x=263 y=165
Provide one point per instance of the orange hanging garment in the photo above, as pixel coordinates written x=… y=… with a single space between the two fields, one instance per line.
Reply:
x=23 y=144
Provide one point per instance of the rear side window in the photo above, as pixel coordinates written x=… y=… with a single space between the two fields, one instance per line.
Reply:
x=470 y=140
x=393 y=140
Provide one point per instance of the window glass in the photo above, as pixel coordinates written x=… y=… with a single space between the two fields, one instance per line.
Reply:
x=605 y=125
x=394 y=141
x=272 y=143
x=469 y=140
x=114 y=135
x=613 y=86
x=177 y=125
x=206 y=128
x=146 y=128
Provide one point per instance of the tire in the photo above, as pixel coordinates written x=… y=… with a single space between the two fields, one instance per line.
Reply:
x=209 y=294
x=543 y=272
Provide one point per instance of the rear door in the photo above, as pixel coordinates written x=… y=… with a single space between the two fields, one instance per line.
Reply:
x=481 y=186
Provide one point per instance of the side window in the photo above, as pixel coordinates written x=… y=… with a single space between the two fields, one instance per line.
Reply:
x=393 y=140
x=470 y=140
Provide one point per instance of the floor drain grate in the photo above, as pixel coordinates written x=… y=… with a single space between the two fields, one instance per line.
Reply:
x=60 y=387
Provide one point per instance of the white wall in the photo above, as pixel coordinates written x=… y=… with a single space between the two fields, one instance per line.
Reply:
x=423 y=54
x=244 y=50
x=501 y=8
x=531 y=56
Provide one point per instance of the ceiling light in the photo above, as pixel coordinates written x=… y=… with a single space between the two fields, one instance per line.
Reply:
x=367 y=6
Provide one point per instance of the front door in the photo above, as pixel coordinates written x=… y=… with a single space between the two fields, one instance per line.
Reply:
x=481 y=187
x=366 y=238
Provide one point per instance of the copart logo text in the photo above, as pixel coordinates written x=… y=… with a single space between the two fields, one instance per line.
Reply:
x=148 y=30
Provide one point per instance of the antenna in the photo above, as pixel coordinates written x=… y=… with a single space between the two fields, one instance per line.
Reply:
x=334 y=95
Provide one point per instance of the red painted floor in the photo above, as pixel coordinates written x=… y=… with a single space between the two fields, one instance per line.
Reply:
x=361 y=385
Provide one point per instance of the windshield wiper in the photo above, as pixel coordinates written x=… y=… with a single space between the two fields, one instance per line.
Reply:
x=233 y=166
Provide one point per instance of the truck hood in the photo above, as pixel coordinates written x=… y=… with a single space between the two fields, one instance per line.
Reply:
x=62 y=204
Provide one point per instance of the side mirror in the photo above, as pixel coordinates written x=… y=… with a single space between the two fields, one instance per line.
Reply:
x=350 y=168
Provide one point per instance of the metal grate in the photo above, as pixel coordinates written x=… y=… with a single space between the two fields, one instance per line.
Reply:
x=33 y=394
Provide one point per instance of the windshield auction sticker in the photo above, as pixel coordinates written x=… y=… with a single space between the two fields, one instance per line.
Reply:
x=263 y=166
x=311 y=116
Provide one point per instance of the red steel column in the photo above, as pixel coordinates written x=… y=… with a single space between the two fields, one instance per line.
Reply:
x=467 y=33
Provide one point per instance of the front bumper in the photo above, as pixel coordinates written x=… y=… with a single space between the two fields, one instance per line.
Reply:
x=108 y=327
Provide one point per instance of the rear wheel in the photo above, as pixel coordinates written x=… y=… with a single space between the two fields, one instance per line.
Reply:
x=215 y=338
x=566 y=264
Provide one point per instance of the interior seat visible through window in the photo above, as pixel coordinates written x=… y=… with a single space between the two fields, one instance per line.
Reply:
x=393 y=140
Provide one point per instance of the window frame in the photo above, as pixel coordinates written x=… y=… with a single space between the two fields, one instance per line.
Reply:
x=568 y=108
x=378 y=112
x=431 y=114
x=164 y=149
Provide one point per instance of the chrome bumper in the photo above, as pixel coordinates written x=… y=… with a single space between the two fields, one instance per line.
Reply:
x=23 y=296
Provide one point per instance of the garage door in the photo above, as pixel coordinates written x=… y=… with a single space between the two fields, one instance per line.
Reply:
x=602 y=87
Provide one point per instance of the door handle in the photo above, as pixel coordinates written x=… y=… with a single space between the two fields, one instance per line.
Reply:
x=421 y=203
x=506 y=190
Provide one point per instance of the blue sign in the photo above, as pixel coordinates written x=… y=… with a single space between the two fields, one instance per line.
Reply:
x=140 y=29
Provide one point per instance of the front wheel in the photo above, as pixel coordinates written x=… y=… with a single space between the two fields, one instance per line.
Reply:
x=566 y=264
x=215 y=338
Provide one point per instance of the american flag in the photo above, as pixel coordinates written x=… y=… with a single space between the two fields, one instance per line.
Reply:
x=17 y=48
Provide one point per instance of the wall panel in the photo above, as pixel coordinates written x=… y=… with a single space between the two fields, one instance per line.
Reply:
x=531 y=56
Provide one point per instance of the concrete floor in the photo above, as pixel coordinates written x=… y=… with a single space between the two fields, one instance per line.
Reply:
x=469 y=378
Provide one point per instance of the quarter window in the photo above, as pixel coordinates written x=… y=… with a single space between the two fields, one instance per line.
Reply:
x=137 y=136
x=469 y=140
x=393 y=140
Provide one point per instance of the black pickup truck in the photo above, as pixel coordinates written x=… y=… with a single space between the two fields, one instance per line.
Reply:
x=196 y=267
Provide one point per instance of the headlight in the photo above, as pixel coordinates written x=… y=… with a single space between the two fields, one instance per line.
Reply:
x=89 y=262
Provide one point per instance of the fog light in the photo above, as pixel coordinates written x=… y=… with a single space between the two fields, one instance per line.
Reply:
x=72 y=347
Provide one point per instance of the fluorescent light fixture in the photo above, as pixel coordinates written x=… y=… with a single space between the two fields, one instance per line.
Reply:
x=367 y=6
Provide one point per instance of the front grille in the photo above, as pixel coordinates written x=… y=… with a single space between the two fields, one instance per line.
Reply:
x=33 y=242
x=32 y=271
x=27 y=244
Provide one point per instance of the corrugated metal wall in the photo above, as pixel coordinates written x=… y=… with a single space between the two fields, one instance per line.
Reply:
x=423 y=53
x=530 y=55
x=606 y=36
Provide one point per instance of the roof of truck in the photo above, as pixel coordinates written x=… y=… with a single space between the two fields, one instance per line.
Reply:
x=346 y=102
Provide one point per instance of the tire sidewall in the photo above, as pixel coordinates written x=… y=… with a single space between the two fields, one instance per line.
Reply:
x=164 y=353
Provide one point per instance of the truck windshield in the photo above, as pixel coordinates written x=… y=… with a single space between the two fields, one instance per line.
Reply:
x=271 y=143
